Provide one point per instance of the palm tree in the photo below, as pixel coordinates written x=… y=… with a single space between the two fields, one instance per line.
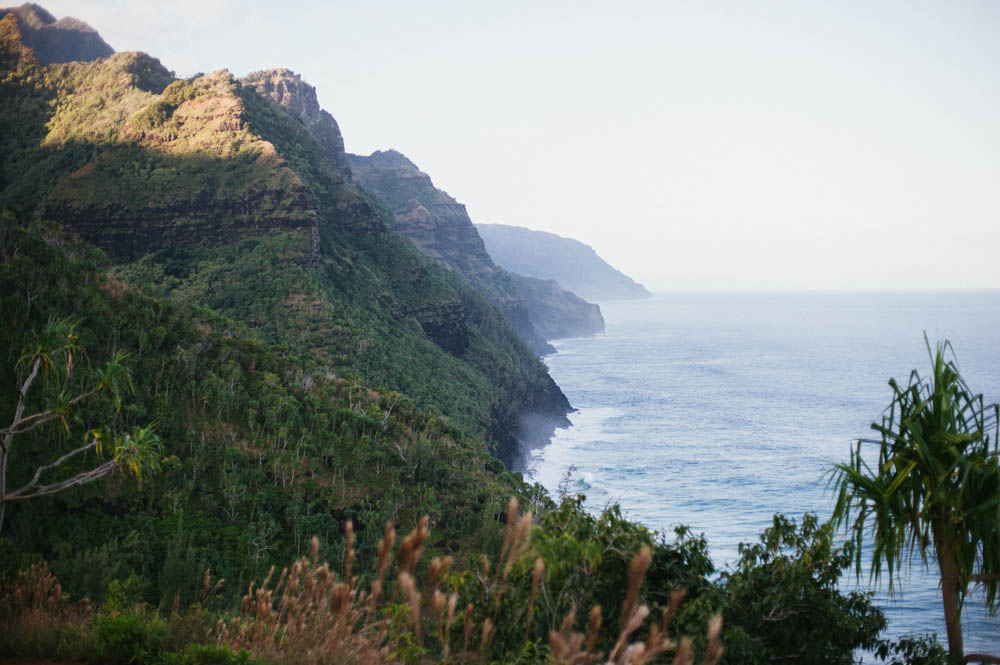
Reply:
x=936 y=486
x=49 y=358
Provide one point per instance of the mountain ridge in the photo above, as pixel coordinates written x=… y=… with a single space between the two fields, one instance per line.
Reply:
x=543 y=255
x=56 y=41
x=441 y=228
x=205 y=189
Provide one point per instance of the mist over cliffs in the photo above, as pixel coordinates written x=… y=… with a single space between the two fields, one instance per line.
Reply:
x=573 y=264
x=440 y=227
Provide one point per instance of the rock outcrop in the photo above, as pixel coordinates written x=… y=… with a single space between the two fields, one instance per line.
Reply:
x=574 y=265
x=441 y=229
x=183 y=165
x=287 y=89
x=53 y=41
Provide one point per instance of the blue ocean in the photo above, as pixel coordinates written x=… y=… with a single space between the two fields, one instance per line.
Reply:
x=717 y=410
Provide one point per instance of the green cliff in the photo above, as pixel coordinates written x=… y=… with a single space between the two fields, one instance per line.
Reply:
x=440 y=227
x=207 y=191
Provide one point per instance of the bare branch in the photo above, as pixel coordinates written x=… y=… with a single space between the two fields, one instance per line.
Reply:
x=42 y=469
x=22 y=393
x=79 y=479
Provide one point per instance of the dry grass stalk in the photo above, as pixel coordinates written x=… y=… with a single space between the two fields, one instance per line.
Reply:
x=309 y=618
x=536 y=579
x=484 y=640
x=348 y=552
x=518 y=542
x=412 y=546
x=467 y=627
x=412 y=597
x=636 y=574
x=34 y=605
x=384 y=559
x=439 y=566
x=593 y=628
x=713 y=650
x=569 y=648
x=207 y=588
x=508 y=530
x=676 y=596
x=446 y=637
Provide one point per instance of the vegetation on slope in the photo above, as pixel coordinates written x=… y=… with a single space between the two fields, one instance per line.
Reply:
x=440 y=227
x=206 y=190
x=263 y=448
x=258 y=357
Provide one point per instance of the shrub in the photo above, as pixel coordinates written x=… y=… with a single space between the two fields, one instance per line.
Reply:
x=129 y=639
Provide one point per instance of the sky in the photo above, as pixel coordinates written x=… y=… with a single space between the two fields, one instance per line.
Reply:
x=721 y=145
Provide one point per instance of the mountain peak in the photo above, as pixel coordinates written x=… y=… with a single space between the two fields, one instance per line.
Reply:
x=388 y=159
x=287 y=89
x=53 y=41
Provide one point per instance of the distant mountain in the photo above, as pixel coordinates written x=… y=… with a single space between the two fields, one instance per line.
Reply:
x=557 y=313
x=54 y=41
x=574 y=265
x=440 y=228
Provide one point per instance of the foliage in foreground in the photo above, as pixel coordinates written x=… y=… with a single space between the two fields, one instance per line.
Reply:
x=935 y=486
x=262 y=448
x=411 y=612
x=547 y=597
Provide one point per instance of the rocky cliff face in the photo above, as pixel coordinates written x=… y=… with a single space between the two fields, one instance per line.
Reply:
x=287 y=89
x=556 y=312
x=435 y=222
x=207 y=190
x=440 y=228
x=64 y=40
x=182 y=165
x=574 y=265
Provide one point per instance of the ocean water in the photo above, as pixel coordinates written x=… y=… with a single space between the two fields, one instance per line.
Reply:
x=717 y=410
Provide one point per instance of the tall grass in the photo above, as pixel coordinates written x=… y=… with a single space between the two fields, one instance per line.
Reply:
x=313 y=617
x=36 y=615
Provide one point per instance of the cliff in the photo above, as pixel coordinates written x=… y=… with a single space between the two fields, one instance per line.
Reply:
x=574 y=265
x=287 y=89
x=54 y=41
x=209 y=191
x=440 y=227
x=556 y=312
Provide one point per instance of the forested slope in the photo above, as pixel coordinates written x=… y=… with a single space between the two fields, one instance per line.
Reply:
x=205 y=190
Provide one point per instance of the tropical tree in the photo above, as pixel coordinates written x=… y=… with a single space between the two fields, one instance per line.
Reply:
x=935 y=486
x=50 y=359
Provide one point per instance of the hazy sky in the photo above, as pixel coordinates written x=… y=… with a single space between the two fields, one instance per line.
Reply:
x=705 y=145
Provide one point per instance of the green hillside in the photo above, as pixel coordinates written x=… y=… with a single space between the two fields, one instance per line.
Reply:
x=262 y=446
x=227 y=382
x=204 y=190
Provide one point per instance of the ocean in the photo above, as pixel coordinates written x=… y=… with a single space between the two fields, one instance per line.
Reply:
x=717 y=410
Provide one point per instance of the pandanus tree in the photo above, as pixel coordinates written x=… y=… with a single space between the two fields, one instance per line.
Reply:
x=934 y=487
x=52 y=392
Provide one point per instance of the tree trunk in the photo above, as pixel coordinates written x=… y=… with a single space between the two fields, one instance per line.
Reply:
x=949 y=596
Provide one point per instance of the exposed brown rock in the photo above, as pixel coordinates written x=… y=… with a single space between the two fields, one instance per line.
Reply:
x=287 y=89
